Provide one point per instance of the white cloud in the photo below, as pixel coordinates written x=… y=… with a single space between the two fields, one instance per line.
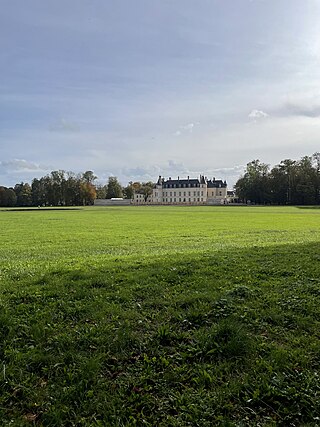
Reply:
x=257 y=114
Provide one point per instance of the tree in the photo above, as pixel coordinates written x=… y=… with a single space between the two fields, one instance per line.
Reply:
x=147 y=188
x=88 y=188
x=88 y=177
x=128 y=191
x=101 y=191
x=39 y=193
x=306 y=186
x=11 y=197
x=72 y=190
x=278 y=185
x=136 y=185
x=8 y=197
x=114 y=188
x=316 y=165
x=57 y=184
x=24 y=194
x=87 y=193
x=254 y=184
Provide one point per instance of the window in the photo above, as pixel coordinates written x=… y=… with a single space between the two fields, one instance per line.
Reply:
x=179 y=199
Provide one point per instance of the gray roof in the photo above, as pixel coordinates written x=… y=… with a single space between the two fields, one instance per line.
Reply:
x=181 y=183
x=185 y=183
x=217 y=183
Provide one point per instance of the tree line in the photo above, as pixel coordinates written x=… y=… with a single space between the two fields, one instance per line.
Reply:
x=61 y=188
x=292 y=182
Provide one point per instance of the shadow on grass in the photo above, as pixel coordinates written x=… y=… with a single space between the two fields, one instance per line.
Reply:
x=308 y=207
x=39 y=209
x=209 y=339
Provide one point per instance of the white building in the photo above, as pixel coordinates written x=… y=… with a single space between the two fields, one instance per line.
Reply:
x=190 y=191
x=140 y=199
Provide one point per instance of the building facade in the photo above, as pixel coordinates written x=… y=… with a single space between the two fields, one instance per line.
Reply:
x=190 y=191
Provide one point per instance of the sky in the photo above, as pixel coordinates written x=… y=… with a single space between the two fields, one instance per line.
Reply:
x=137 y=89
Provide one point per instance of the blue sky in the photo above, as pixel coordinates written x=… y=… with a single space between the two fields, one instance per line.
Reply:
x=141 y=88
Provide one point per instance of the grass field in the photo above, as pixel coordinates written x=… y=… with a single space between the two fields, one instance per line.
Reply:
x=160 y=316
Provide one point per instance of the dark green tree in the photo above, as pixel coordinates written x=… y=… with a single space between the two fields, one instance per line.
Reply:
x=39 y=192
x=24 y=194
x=254 y=185
x=114 y=188
x=8 y=197
x=57 y=184
x=128 y=191
x=306 y=182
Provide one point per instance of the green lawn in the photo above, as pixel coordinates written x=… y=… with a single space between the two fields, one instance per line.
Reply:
x=160 y=316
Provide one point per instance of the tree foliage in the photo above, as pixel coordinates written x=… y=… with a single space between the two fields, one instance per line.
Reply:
x=290 y=182
x=61 y=188
x=146 y=189
x=114 y=188
x=7 y=197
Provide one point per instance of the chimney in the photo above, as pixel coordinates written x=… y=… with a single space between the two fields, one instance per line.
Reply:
x=178 y=178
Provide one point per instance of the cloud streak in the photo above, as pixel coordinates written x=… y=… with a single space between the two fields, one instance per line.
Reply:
x=302 y=110
x=21 y=165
